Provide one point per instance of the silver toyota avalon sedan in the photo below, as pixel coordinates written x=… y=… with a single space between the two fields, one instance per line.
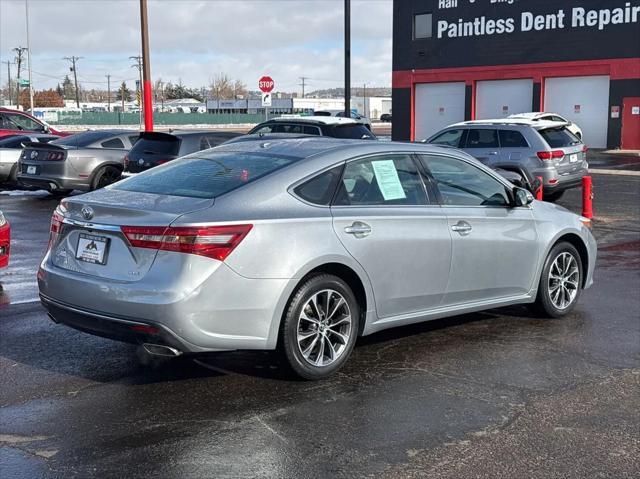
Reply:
x=304 y=245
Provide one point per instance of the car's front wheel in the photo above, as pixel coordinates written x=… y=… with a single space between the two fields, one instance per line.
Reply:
x=320 y=327
x=560 y=282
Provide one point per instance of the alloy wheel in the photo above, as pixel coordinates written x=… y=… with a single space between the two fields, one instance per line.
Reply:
x=564 y=280
x=324 y=328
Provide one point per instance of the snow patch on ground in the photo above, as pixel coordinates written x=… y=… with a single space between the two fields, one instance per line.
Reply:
x=24 y=193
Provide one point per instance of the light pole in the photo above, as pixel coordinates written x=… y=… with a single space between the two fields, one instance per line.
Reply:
x=347 y=58
x=146 y=67
x=26 y=9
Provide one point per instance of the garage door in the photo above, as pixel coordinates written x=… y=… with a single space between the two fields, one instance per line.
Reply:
x=437 y=105
x=501 y=98
x=584 y=101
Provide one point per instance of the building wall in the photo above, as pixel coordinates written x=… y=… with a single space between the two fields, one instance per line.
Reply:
x=494 y=40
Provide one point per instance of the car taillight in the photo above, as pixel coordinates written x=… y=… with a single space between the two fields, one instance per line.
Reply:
x=55 y=228
x=125 y=160
x=585 y=149
x=550 y=155
x=162 y=162
x=55 y=156
x=215 y=242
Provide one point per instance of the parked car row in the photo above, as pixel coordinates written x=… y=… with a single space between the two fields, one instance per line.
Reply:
x=529 y=149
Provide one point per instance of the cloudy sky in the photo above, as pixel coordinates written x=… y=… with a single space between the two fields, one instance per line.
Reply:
x=193 y=40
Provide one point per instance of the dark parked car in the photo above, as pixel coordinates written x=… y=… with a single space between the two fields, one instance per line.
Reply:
x=11 y=149
x=156 y=148
x=333 y=126
x=386 y=117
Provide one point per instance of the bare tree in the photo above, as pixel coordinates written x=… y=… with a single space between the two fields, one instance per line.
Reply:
x=239 y=89
x=221 y=87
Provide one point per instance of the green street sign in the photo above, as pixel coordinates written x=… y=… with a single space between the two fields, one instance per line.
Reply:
x=23 y=81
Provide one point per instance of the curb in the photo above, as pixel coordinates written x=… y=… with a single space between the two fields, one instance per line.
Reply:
x=598 y=171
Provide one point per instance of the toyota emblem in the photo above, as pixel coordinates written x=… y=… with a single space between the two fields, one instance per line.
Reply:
x=34 y=154
x=141 y=161
x=87 y=212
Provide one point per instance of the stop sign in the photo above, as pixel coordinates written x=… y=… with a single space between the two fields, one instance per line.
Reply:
x=266 y=84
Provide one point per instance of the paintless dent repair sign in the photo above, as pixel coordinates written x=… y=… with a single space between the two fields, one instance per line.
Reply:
x=577 y=17
x=465 y=33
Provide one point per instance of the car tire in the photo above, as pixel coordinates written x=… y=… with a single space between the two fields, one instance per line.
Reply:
x=106 y=176
x=553 y=197
x=560 y=282
x=318 y=340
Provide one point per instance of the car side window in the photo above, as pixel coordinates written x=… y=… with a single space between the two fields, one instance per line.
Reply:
x=112 y=143
x=133 y=139
x=264 y=130
x=449 y=138
x=23 y=122
x=381 y=180
x=512 y=139
x=558 y=118
x=319 y=189
x=482 y=138
x=204 y=143
x=462 y=184
x=311 y=130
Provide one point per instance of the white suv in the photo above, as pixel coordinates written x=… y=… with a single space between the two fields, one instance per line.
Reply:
x=542 y=116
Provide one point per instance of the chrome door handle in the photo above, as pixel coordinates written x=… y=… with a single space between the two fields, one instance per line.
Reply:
x=358 y=229
x=493 y=153
x=462 y=227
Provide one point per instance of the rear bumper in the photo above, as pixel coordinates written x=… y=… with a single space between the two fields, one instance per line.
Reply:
x=553 y=181
x=119 y=329
x=203 y=305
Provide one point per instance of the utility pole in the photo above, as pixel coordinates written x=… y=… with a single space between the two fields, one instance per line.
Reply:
x=146 y=85
x=138 y=65
x=9 y=78
x=364 y=100
x=302 y=83
x=73 y=60
x=26 y=11
x=108 y=92
x=347 y=58
x=19 y=52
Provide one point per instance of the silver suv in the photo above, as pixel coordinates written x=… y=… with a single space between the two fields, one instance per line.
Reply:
x=542 y=149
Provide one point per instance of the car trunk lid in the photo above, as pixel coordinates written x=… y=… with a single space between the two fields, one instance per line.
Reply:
x=90 y=239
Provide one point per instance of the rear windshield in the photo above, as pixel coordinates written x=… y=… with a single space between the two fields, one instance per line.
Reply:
x=208 y=175
x=353 y=132
x=162 y=145
x=83 y=139
x=559 y=137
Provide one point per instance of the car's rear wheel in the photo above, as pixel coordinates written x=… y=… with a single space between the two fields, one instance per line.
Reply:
x=320 y=327
x=560 y=283
x=554 y=196
x=106 y=176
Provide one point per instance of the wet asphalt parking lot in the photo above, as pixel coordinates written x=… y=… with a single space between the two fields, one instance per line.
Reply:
x=493 y=394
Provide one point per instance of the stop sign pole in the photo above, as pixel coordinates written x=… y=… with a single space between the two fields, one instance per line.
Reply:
x=266 y=84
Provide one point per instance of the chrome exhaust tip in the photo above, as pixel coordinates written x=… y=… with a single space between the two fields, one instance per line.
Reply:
x=161 y=350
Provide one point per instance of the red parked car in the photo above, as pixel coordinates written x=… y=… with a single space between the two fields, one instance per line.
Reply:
x=5 y=241
x=14 y=122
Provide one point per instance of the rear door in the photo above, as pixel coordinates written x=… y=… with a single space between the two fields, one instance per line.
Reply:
x=513 y=147
x=494 y=246
x=483 y=144
x=382 y=216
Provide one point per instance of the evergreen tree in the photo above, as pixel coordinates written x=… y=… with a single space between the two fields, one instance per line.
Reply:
x=123 y=93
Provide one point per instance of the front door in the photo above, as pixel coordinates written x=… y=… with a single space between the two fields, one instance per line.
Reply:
x=495 y=250
x=383 y=218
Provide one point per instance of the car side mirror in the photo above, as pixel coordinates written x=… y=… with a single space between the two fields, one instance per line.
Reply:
x=522 y=197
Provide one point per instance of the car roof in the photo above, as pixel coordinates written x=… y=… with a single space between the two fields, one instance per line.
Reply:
x=325 y=120
x=513 y=122
x=305 y=147
x=534 y=115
